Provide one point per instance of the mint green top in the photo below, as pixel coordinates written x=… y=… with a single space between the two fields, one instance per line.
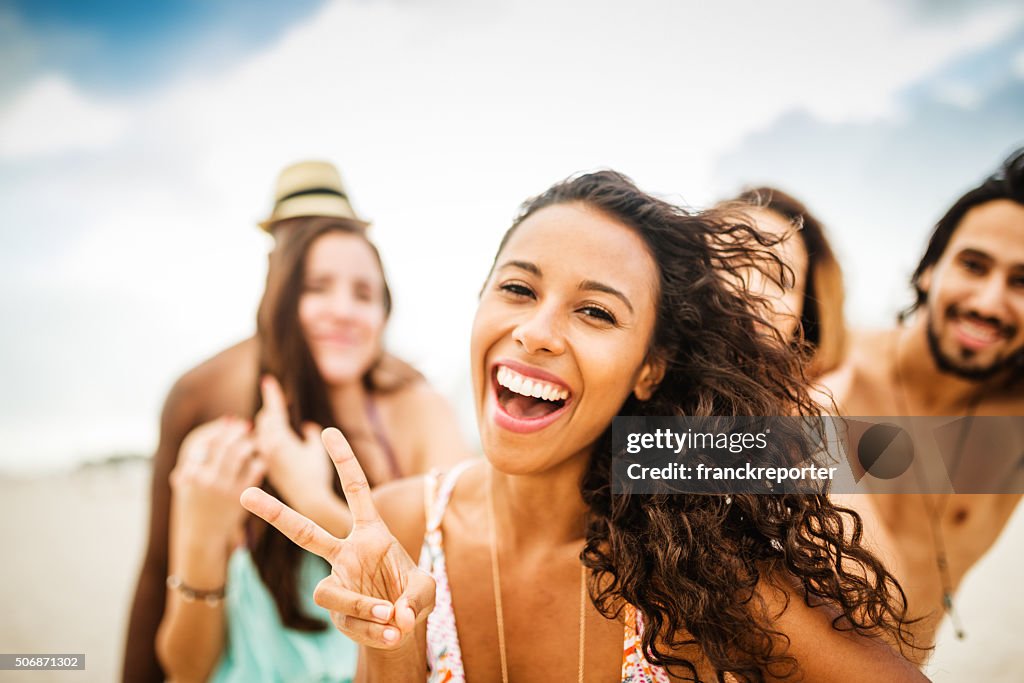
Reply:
x=259 y=648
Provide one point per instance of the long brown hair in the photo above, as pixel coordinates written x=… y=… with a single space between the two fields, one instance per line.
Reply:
x=692 y=565
x=284 y=353
x=822 y=324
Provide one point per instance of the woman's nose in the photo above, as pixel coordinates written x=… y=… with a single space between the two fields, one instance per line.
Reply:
x=342 y=305
x=541 y=332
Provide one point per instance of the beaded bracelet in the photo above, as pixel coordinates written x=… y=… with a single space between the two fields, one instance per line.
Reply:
x=189 y=594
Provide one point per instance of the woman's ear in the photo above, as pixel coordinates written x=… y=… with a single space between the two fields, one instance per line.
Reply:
x=649 y=377
x=924 y=283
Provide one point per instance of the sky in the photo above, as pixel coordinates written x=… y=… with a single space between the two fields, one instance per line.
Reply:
x=139 y=143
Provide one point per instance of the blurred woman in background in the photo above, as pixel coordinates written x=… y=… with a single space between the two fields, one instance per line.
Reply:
x=807 y=300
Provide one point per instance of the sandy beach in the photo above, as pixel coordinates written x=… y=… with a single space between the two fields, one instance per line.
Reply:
x=73 y=544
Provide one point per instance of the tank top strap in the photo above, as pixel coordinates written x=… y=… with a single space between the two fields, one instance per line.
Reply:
x=439 y=492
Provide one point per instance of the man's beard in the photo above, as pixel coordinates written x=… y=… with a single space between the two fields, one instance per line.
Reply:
x=1013 y=363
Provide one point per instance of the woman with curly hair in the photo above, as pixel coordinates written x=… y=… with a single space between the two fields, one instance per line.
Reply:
x=605 y=301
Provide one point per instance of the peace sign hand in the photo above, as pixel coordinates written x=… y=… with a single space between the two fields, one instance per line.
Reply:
x=376 y=594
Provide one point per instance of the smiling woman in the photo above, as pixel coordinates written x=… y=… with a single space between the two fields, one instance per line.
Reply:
x=605 y=301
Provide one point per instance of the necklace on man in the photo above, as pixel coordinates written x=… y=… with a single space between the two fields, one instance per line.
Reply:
x=496 y=583
x=934 y=514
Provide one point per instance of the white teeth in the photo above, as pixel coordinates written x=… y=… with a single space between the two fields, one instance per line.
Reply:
x=979 y=332
x=519 y=384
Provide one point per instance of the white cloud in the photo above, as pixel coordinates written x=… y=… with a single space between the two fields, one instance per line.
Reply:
x=1018 y=64
x=957 y=93
x=51 y=117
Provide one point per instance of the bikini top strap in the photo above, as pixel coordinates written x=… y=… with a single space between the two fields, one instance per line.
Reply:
x=430 y=484
x=438 y=492
x=377 y=426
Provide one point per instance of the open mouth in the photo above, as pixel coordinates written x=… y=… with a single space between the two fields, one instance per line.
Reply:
x=523 y=397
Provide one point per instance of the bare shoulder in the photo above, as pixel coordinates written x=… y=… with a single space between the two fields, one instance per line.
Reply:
x=869 y=348
x=1007 y=401
x=862 y=373
x=224 y=383
x=824 y=652
x=415 y=397
x=423 y=424
x=401 y=504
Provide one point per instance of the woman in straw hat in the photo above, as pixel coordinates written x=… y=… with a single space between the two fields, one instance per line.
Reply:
x=236 y=607
x=605 y=301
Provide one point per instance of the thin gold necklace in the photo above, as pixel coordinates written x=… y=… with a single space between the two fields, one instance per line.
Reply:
x=496 y=582
x=934 y=514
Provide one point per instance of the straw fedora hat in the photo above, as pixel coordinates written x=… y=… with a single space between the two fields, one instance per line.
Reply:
x=309 y=188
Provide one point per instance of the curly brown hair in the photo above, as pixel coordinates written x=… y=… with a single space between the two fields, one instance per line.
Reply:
x=693 y=565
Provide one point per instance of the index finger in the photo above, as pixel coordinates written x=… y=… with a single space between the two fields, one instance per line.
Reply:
x=353 y=481
x=302 y=531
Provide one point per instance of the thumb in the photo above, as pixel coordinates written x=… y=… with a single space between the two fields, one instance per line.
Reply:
x=311 y=432
x=417 y=601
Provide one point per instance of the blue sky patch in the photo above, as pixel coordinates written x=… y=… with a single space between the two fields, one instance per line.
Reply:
x=123 y=46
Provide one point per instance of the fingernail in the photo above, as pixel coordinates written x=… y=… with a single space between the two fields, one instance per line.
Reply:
x=390 y=635
x=381 y=611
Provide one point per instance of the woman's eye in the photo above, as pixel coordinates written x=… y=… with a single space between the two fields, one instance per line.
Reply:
x=516 y=289
x=598 y=313
x=973 y=267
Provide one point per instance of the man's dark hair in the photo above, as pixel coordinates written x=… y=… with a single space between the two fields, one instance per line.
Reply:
x=1006 y=183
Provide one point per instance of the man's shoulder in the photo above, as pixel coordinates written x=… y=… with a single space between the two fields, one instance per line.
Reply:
x=863 y=372
x=223 y=383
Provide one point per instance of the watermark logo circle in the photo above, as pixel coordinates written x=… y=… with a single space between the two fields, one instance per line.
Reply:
x=885 y=451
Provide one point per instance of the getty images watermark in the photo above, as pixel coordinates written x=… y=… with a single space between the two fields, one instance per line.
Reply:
x=772 y=455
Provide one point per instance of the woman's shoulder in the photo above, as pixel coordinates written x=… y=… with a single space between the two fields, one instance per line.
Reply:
x=413 y=396
x=405 y=504
x=401 y=504
x=224 y=383
x=392 y=373
x=423 y=424
x=822 y=639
